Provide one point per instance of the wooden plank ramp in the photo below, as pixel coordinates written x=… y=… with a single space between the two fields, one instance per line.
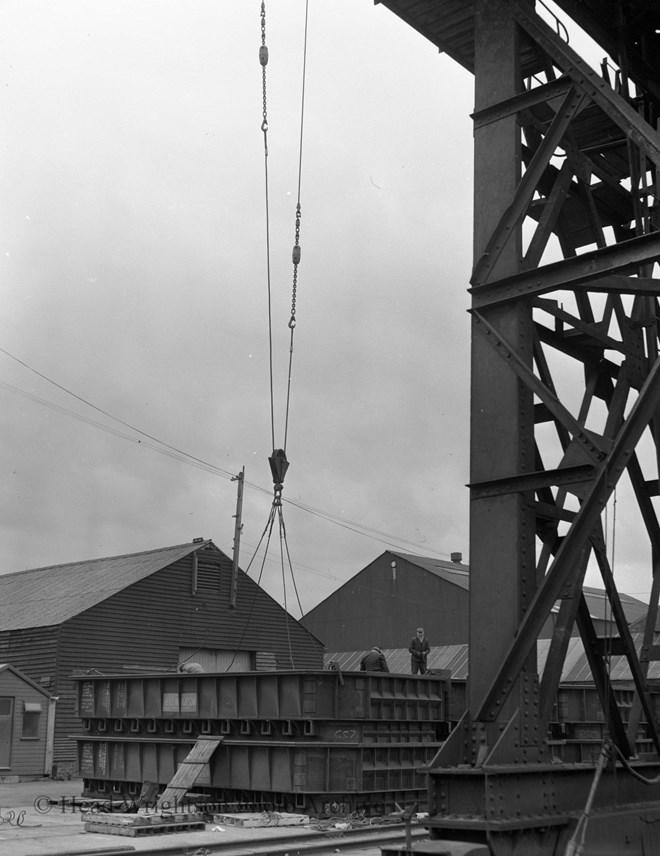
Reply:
x=188 y=772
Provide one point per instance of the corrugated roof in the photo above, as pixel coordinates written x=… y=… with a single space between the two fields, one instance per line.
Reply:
x=452 y=657
x=599 y=605
x=44 y=597
x=455 y=658
x=453 y=572
x=459 y=574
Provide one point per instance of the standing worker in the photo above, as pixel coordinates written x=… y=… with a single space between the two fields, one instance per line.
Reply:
x=374 y=661
x=419 y=650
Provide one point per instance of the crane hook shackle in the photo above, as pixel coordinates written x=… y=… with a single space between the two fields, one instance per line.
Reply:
x=278 y=467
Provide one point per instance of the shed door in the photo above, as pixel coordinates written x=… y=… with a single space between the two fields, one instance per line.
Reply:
x=215 y=660
x=6 y=728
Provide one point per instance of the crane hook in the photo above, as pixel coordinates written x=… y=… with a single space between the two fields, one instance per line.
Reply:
x=278 y=467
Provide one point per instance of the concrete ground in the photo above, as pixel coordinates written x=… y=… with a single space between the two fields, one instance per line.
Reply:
x=39 y=818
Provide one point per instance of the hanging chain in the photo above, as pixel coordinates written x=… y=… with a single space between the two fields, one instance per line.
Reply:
x=295 y=255
x=263 y=59
x=279 y=455
x=296 y=245
x=278 y=461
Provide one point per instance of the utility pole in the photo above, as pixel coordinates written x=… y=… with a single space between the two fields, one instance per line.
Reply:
x=238 y=528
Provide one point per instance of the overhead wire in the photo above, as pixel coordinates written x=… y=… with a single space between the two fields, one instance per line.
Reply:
x=88 y=403
x=177 y=454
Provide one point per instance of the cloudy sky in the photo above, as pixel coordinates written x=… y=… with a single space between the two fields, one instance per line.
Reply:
x=134 y=345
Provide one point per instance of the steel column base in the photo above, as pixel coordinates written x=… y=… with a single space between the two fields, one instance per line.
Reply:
x=523 y=810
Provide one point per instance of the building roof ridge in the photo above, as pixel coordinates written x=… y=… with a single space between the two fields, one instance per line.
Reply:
x=191 y=544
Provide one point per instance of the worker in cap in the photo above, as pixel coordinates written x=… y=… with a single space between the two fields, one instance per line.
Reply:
x=374 y=661
x=419 y=651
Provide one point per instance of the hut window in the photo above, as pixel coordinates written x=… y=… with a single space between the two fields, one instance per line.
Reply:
x=31 y=720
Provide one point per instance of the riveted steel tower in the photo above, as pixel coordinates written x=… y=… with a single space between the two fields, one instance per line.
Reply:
x=565 y=283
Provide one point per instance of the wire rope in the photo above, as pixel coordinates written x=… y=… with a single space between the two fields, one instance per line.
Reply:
x=295 y=587
x=296 y=253
x=278 y=461
x=576 y=844
x=263 y=60
x=267 y=529
x=286 y=611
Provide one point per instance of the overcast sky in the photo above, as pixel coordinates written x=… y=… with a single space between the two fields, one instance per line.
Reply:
x=133 y=247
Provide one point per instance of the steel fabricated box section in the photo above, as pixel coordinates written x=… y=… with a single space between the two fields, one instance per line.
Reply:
x=262 y=767
x=264 y=695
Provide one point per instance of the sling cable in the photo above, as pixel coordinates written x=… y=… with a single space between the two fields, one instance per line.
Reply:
x=278 y=460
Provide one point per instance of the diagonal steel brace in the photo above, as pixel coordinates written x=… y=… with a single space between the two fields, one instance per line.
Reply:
x=559 y=573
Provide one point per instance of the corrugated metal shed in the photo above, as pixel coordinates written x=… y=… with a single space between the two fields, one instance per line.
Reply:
x=383 y=603
x=449 y=571
x=43 y=597
x=395 y=593
x=599 y=606
x=452 y=657
x=455 y=658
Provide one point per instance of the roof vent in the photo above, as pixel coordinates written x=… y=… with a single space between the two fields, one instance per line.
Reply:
x=456 y=558
x=201 y=540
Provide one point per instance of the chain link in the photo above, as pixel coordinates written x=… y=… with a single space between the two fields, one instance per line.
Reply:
x=296 y=261
x=296 y=254
x=263 y=59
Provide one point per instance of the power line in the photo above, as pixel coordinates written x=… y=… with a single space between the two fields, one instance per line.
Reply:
x=160 y=446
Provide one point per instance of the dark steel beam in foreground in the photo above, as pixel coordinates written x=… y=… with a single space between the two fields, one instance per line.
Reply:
x=589 y=271
x=568 y=554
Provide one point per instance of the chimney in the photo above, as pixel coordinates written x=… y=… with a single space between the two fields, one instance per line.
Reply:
x=456 y=558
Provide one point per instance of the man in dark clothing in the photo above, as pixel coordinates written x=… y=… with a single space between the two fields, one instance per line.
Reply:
x=374 y=661
x=419 y=650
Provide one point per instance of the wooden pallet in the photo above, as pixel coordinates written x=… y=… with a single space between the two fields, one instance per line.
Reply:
x=145 y=829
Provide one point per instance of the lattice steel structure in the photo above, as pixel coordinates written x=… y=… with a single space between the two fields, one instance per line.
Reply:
x=565 y=282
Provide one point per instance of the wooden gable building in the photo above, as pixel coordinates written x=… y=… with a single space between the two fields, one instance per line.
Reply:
x=150 y=610
x=27 y=720
x=384 y=603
